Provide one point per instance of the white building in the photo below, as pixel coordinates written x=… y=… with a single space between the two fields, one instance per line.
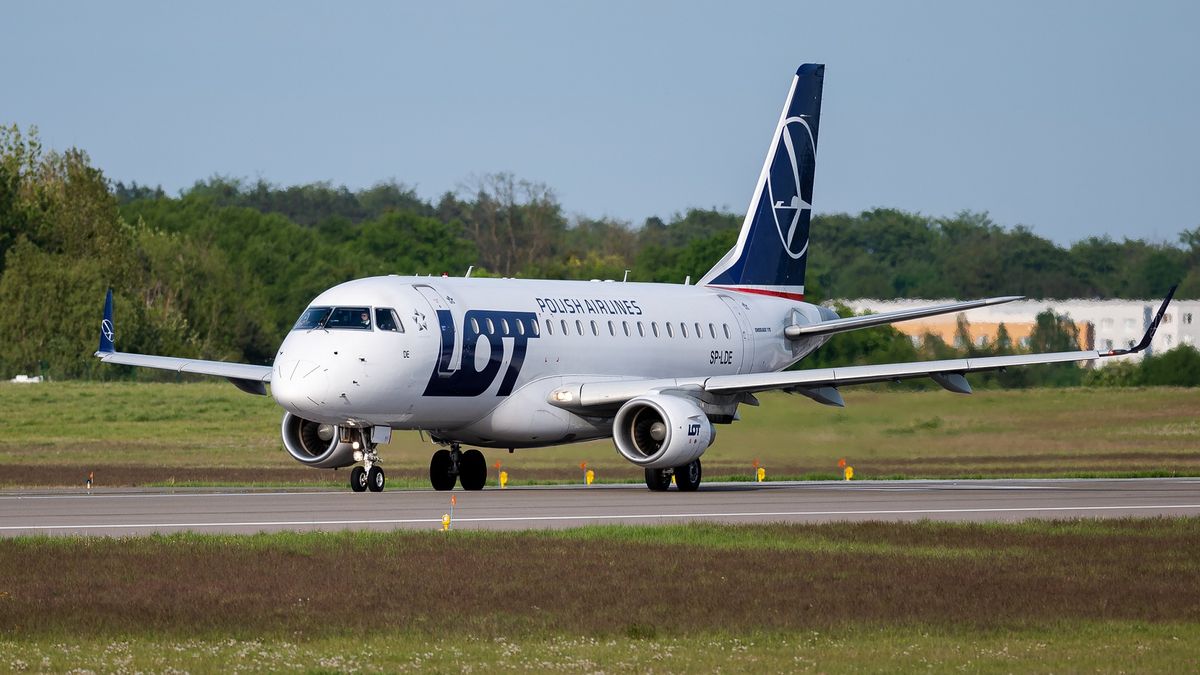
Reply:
x=1102 y=324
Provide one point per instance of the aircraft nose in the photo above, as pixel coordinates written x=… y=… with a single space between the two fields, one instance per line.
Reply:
x=300 y=386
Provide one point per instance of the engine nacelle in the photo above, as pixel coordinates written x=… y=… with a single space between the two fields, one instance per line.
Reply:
x=315 y=444
x=660 y=431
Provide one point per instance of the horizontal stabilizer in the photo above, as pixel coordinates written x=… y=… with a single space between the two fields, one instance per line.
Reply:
x=832 y=326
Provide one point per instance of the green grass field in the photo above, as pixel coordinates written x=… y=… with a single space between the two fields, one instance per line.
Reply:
x=210 y=433
x=1095 y=595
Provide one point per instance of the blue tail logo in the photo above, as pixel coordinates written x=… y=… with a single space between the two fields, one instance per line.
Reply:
x=794 y=159
x=106 y=326
x=772 y=248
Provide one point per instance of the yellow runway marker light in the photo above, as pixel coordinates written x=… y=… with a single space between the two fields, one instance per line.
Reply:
x=503 y=479
x=590 y=476
x=445 y=522
x=849 y=472
x=762 y=474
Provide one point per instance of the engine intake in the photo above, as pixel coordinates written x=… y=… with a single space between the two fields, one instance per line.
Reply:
x=315 y=444
x=660 y=431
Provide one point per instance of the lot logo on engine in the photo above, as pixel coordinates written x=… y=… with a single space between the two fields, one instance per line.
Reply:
x=499 y=329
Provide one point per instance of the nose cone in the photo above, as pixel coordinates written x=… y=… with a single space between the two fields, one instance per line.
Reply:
x=300 y=386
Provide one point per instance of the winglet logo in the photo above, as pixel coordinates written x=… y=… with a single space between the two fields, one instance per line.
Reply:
x=794 y=157
x=106 y=329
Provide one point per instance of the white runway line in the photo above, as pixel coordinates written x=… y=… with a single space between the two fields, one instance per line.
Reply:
x=641 y=516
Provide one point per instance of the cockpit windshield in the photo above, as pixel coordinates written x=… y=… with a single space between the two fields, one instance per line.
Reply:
x=356 y=318
x=335 y=318
x=312 y=318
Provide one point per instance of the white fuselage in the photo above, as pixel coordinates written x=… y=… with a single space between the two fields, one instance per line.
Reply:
x=478 y=358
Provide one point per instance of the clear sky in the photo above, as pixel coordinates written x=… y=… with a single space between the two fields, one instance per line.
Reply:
x=1074 y=118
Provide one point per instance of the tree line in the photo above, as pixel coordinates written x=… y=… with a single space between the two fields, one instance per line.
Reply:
x=222 y=269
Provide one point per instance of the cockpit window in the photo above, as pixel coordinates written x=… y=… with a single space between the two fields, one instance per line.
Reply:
x=386 y=319
x=355 y=318
x=312 y=318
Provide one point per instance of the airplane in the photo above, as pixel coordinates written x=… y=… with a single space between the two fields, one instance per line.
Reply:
x=522 y=363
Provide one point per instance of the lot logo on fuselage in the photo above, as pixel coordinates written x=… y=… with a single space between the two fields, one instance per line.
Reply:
x=498 y=328
x=791 y=168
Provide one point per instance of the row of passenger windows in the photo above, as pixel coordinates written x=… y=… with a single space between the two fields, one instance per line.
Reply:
x=349 y=318
x=668 y=329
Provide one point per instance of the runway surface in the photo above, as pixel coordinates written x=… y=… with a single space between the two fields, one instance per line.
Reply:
x=144 y=511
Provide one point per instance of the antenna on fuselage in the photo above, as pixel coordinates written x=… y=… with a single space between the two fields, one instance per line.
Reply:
x=626 y=276
x=469 y=268
x=688 y=280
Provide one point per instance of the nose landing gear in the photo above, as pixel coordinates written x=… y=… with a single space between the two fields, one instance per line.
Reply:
x=370 y=475
x=468 y=468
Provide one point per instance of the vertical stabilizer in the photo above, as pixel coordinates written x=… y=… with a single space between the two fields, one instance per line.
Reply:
x=772 y=248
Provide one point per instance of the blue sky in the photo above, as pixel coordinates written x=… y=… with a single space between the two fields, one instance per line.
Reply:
x=1074 y=118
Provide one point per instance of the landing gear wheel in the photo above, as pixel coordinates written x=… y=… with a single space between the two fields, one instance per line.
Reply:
x=472 y=470
x=375 y=479
x=440 y=471
x=358 y=479
x=687 y=477
x=658 y=480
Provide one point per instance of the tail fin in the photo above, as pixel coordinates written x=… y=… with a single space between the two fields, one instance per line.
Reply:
x=772 y=248
x=106 y=327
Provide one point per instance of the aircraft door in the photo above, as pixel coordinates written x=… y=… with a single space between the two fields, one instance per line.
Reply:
x=441 y=323
x=741 y=325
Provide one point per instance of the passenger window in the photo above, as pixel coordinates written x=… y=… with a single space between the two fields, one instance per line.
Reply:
x=699 y=333
x=595 y=331
x=313 y=317
x=641 y=329
x=670 y=331
x=726 y=331
x=612 y=329
x=491 y=327
x=549 y=327
x=712 y=330
x=520 y=327
x=566 y=331
x=504 y=326
x=474 y=326
x=579 y=326
x=654 y=328
x=354 y=318
x=683 y=329
x=386 y=319
x=533 y=325
x=625 y=325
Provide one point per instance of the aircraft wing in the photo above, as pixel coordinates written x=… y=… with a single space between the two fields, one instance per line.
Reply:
x=249 y=378
x=869 y=320
x=821 y=384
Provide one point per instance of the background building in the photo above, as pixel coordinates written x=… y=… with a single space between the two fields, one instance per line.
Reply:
x=1102 y=324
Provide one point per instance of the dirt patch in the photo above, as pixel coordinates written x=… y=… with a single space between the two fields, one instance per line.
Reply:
x=331 y=584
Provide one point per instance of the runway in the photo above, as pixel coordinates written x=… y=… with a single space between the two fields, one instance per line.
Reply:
x=119 y=512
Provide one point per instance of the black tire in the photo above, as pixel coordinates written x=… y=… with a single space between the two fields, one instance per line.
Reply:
x=658 y=480
x=472 y=470
x=375 y=479
x=439 y=471
x=358 y=479
x=687 y=477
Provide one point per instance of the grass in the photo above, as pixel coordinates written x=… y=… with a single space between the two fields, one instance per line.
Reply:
x=1089 y=647
x=211 y=434
x=1038 y=595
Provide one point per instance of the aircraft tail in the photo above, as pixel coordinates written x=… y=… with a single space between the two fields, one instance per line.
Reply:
x=772 y=248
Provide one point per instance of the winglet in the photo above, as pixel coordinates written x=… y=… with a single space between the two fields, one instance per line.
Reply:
x=1149 y=331
x=106 y=327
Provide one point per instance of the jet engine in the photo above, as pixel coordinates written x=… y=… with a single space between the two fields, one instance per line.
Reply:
x=315 y=444
x=661 y=431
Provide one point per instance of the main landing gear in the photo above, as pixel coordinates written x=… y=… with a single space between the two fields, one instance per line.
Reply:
x=369 y=476
x=687 y=477
x=468 y=468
